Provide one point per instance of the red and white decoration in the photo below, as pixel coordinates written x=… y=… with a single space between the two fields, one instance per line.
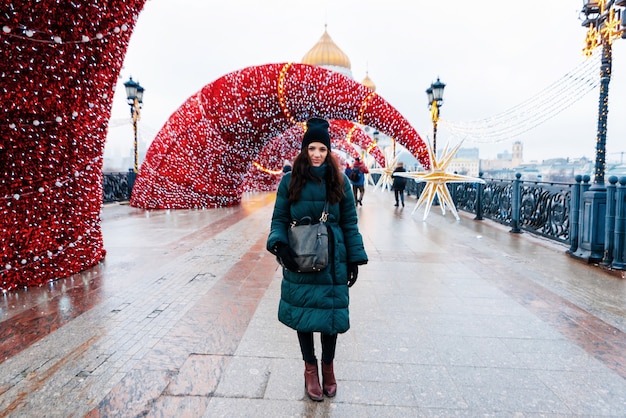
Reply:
x=60 y=62
x=201 y=156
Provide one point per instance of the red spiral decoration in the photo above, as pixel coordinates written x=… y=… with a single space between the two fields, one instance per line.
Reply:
x=203 y=153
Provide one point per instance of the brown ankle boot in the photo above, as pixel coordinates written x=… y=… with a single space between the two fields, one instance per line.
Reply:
x=329 y=382
x=312 y=382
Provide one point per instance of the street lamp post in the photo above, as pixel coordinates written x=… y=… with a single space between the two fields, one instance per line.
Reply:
x=134 y=95
x=435 y=101
x=603 y=22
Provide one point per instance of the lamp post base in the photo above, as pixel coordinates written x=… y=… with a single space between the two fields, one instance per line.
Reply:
x=592 y=226
x=131 y=181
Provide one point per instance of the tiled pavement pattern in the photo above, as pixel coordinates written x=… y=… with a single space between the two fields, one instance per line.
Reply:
x=448 y=319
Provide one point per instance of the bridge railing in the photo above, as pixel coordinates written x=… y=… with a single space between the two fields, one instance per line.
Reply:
x=548 y=209
x=541 y=208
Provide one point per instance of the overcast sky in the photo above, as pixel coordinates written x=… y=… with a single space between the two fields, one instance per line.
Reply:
x=493 y=56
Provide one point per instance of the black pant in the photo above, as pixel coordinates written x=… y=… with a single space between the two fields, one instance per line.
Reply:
x=399 y=194
x=356 y=191
x=329 y=342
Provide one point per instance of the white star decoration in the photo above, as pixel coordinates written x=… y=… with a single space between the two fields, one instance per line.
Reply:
x=436 y=182
x=385 y=181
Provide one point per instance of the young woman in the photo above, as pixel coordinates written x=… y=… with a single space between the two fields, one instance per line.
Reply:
x=317 y=302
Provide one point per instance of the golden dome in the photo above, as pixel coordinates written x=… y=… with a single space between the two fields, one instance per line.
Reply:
x=367 y=82
x=326 y=52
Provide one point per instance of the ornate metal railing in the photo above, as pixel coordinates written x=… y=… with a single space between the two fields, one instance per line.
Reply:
x=414 y=188
x=543 y=207
x=548 y=209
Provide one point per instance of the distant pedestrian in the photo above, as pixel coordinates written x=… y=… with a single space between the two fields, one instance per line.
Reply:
x=318 y=301
x=348 y=170
x=287 y=166
x=357 y=178
x=399 y=183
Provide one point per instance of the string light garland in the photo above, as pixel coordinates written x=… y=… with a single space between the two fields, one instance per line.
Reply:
x=281 y=92
x=545 y=105
x=59 y=67
x=364 y=104
x=202 y=155
x=46 y=37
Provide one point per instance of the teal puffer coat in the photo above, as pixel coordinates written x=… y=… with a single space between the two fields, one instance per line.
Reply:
x=318 y=302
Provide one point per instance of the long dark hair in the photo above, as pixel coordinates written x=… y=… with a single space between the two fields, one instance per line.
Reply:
x=301 y=173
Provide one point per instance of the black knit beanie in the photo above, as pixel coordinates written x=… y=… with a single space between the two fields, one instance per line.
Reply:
x=316 y=131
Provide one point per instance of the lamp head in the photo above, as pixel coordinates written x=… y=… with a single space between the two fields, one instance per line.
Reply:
x=437 y=88
x=140 y=90
x=429 y=93
x=133 y=91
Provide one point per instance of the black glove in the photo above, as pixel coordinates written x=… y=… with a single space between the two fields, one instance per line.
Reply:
x=353 y=272
x=287 y=256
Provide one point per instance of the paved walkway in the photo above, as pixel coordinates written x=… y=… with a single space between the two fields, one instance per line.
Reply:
x=448 y=319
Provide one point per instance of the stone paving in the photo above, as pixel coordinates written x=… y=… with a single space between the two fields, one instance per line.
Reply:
x=448 y=319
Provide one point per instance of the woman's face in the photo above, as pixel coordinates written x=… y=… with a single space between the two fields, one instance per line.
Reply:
x=317 y=153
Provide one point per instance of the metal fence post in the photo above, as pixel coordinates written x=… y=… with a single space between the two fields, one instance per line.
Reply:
x=609 y=221
x=452 y=190
x=583 y=188
x=620 y=226
x=409 y=187
x=516 y=205
x=574 y=214
x=131 y=181
x=479 y=198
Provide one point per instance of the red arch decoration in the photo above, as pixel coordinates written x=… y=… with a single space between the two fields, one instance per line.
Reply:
x=201 y=156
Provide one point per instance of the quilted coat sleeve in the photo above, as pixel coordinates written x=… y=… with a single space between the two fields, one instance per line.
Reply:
x=281 y=218
x=348 y=223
